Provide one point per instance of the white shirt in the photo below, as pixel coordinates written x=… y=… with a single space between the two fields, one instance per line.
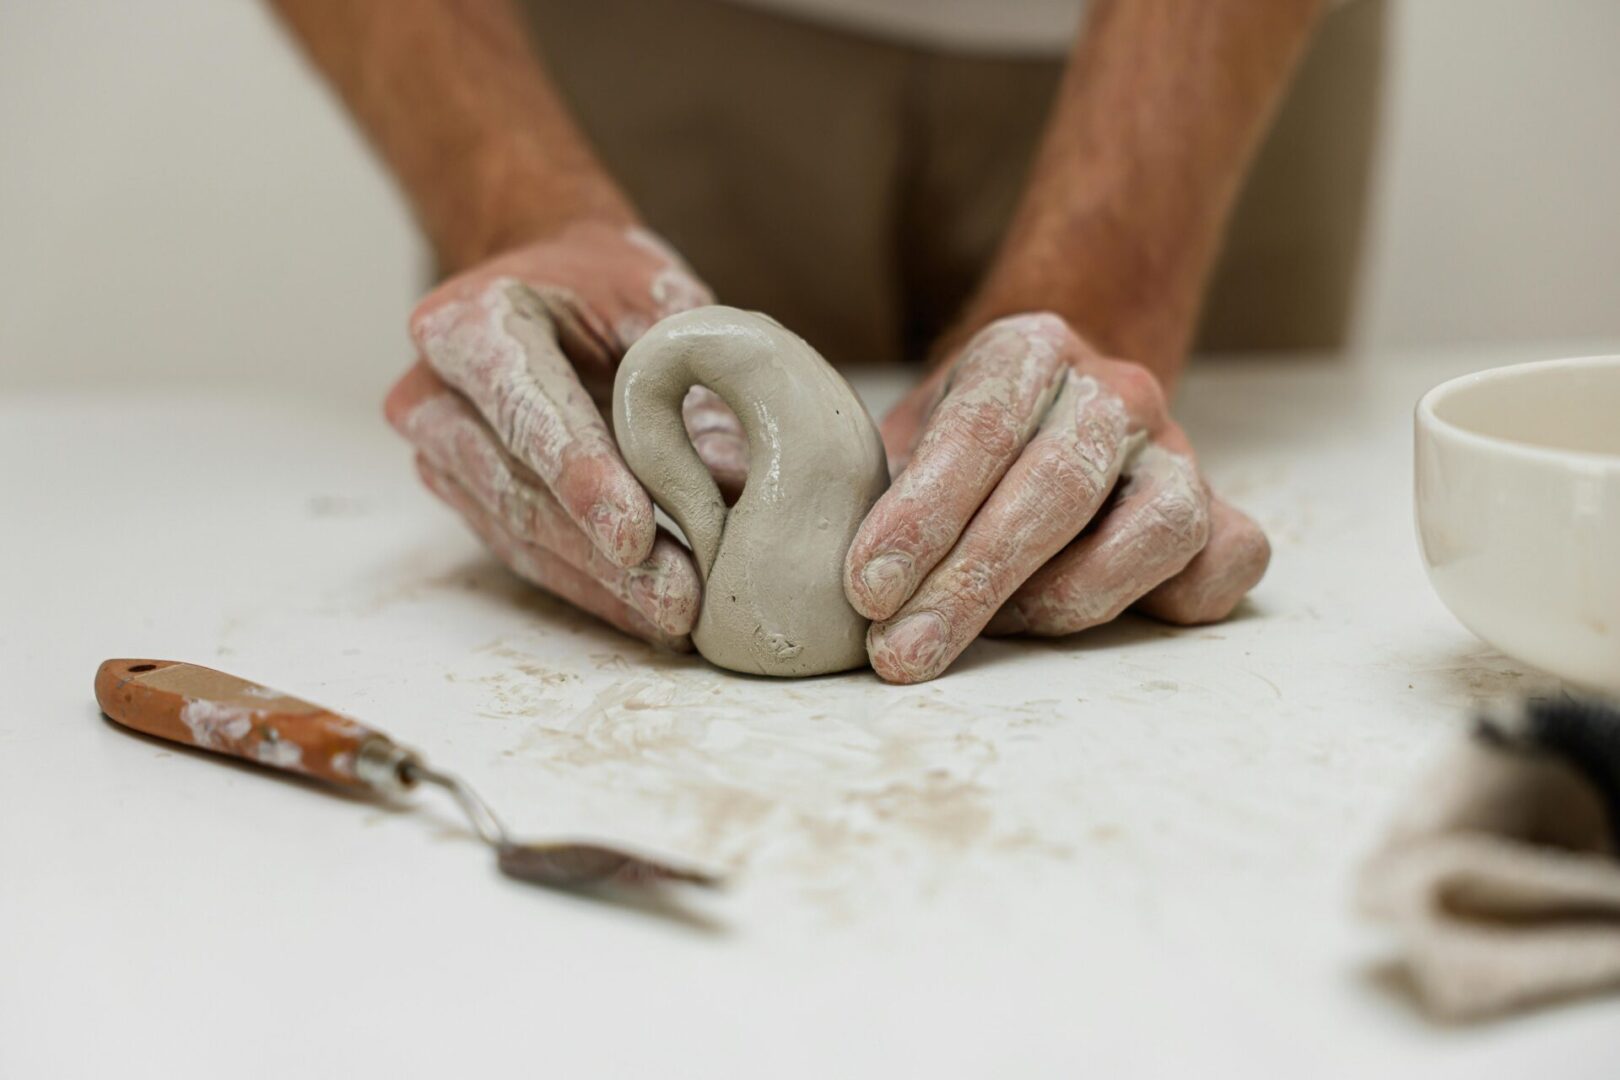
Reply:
x=1021 y=27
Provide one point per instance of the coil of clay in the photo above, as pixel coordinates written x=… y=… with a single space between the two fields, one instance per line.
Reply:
x=772 y=565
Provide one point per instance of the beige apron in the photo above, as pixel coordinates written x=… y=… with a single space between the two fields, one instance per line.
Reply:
x=854 y=188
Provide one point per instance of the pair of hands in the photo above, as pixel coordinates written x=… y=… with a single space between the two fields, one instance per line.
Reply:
x=1039 y=488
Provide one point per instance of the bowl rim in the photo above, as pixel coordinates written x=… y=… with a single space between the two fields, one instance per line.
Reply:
x=1427 y=418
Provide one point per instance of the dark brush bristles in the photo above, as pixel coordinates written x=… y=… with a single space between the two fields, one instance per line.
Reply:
x=1584 y=733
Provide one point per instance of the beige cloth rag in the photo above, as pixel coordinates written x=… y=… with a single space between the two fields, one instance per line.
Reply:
x=1501 y=879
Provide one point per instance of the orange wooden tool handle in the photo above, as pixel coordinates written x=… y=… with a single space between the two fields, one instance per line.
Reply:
x=186 y=703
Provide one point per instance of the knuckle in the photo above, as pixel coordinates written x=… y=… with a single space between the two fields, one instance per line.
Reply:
x=398 y=405
x=665 y=588
x=974 y=585
x=420 y=318
x=1177 y=521
x=1197 y=527
x=1216 y=582
x=1247 y=554
x=1244 y=530
x=430 y=317
x=425 y=473
x=523 y=425
x=1041 y=338
x=424 y=310
x=1047 y=325
x=987 y=426
x=1171 y=502
x=515 y=508
x=460 y=448
x=1063 y=473
x=414 y=390
x=1140 y=389
x=1256 y=555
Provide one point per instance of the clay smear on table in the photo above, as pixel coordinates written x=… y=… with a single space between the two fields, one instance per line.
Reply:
x=772 y=564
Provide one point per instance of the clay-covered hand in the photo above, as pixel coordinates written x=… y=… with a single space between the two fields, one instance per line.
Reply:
x=1043 y=489
x=503 y=409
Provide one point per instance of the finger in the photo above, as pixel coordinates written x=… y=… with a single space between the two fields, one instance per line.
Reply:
x=413 y=388
x=627 y=295
x=1157 y=524
x=544 y=568
x=1003 y=384
x=1042 y=503
x=1232 y=563
x=456 y=443
x=673 y=288
x=717 y=436
x=903 y=425
x=497 y=344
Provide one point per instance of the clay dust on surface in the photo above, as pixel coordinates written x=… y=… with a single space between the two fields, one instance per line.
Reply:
x=820 y=782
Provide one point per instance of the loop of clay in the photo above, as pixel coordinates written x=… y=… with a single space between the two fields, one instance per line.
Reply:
x=772 y=566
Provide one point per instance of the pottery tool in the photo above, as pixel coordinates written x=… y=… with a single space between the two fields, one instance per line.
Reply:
x=201 y=707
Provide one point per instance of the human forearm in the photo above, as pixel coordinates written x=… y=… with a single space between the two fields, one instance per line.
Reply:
x=1152 y=131
x=453 y=98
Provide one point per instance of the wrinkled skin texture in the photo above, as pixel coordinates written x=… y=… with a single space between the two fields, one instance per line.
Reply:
x=1042 y=489
x=504 y=410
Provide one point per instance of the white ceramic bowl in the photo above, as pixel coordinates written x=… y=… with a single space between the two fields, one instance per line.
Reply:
x=1518 y=511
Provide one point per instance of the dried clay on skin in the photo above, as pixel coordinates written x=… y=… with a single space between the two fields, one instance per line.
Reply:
x=772 y=565
x=988 y=411
x=499 y=347
x=1157 y=525
x=456 y=444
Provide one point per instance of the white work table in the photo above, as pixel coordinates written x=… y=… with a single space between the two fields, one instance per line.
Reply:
x=1123 y=854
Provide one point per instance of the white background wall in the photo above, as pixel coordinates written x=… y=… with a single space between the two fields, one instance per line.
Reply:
x=1497 y=206
x=180 y=201
x=178 y=198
